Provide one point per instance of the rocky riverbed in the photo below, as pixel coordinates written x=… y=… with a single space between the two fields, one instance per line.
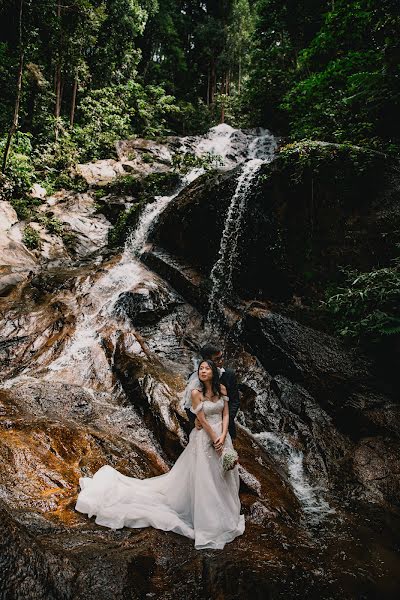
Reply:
x=96 y=347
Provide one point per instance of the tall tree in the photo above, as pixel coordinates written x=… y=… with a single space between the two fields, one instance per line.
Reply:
x=14 y=125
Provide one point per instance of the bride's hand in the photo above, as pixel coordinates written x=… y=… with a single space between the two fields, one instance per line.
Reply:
x=219 y=443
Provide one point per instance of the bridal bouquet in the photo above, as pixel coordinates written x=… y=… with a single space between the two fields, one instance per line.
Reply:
x=229 y=458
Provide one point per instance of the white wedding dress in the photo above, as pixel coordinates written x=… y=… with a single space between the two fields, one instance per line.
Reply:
x=196 y=498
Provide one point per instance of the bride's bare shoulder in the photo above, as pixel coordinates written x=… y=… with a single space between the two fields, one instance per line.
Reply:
x=223 y=390
x=195 y=394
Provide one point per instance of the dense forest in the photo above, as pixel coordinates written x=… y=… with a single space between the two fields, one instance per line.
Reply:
x=76 y=76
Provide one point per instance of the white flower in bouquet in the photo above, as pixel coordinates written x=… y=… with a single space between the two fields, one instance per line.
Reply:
x=229 y=458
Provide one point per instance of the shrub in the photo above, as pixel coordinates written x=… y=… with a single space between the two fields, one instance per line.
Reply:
x=20 y=171
x=25 y=208
x=31 y=238
x=367 y=307
x=126 y=221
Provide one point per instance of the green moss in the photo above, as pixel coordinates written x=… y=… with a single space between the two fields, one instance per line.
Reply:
x=31 y=238
x=126 y=221
x=338 y=161
x=147 y=157
x=160 y=184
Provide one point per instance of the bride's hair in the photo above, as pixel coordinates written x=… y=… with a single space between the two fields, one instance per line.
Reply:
x=215 y=383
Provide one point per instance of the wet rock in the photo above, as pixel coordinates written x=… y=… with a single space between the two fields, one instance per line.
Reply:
x=184 y=278
x=334 y=375
x=153 y=399
x=12 y=251
x=9 y=280
x=25 y=569
x=191 y=225
x=86 y=388
x=144 y=306
x=144 y=157
x=134 y=149
x=32 y=338
x=78 y=212
x=52 y=248
x=136 y=156
x=8 y=216
x=53 y=399
x=38 y=191
x=376 y=464
x=290 y=424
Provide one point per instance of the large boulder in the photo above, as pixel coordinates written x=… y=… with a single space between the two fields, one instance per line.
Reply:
x=339 y=378
x=191 y=225
x=315 y=207
x=12 y=251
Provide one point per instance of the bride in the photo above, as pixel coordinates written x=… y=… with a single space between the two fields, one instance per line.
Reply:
x=196 y=498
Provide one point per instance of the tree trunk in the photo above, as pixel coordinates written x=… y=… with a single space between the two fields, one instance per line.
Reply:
x=240 y=73
x=73 y=102
x=57 y=78
x=14 y=125
x=223 y=93
x=57 y=109
x=212 y=81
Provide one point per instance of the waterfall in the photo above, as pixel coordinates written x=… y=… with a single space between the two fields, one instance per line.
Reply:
x=231 y=147
x=136 y=241
x=222 y=272
x=261 y=151
x=314 y=506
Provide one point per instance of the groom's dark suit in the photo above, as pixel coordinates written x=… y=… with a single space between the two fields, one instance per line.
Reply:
x=228 y=379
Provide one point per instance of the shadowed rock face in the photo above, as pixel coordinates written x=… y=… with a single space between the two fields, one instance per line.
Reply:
x=302 y=222
x=184 y=228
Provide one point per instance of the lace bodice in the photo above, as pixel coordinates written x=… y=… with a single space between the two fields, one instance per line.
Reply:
x=212 y=409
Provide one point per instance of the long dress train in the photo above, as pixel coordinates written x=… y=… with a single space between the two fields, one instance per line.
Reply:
x=196 y=498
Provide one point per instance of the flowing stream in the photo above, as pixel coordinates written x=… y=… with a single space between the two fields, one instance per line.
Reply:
x=311 y=497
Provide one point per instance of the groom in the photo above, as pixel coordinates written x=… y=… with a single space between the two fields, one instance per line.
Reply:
x=228 y=379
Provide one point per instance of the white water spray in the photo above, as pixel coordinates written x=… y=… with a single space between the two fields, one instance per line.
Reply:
x=261 y=151
x=314 y=506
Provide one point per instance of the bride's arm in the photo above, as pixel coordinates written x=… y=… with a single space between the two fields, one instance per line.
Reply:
x=197 y=404
x=225 y=414
x=225 y=419
x=220 y=441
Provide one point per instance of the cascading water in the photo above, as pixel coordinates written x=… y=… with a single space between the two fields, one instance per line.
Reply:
x=83 y=359
x=227 y=145
x=261 y=151
x=222 y=272
x=314 y=505
x=137 y=240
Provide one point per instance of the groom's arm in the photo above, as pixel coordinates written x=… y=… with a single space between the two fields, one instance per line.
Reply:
x=233 y=392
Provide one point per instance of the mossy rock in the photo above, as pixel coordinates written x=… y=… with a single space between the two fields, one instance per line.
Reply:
x=125 y=222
